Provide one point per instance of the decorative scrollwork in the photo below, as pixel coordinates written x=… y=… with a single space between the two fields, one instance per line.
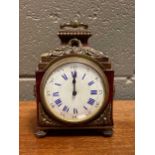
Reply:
x=45 y=120
x=67 y=49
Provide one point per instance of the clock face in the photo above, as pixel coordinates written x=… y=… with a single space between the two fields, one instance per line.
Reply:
x=74 y=90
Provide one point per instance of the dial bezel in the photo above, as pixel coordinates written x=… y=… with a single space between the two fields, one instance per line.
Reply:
x=74 y=59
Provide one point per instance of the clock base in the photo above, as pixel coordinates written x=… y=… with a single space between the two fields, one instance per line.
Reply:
x=104 y=131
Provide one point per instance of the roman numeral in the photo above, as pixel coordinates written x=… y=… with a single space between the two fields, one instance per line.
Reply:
x=57 y=84
x=56 y=94
x=93 y=92
x=58 y=102
x=64 y=76
x=91 y=101
x=74 y=74
x=75 y=111
x=91 y=83
x=83 y=76
x=65 y=108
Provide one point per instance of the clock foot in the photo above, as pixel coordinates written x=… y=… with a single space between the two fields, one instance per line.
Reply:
x=40 y=133
x=107 y=133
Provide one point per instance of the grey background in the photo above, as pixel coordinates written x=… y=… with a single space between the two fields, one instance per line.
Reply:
x=110 y=21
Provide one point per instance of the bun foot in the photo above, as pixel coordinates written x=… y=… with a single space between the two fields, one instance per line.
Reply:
x=40 y=133
x=107 y=133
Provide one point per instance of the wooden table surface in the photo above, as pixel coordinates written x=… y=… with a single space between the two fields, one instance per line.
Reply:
x=121 y=143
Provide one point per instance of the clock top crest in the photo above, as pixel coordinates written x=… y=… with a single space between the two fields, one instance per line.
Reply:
x=74 y=40
x=74 y=65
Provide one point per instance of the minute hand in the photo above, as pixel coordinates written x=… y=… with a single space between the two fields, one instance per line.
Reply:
x=74 y=75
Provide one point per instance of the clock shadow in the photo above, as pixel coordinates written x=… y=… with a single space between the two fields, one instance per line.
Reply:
x=74 y=132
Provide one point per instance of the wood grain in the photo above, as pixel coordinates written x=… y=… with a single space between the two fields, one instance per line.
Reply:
x=121 y=143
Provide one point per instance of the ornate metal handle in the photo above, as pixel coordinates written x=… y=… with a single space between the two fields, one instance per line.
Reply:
x=75 y=42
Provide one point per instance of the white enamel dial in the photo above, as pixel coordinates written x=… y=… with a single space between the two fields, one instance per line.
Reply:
x=74 y=92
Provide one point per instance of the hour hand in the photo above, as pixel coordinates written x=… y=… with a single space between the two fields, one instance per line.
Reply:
x=74 y=93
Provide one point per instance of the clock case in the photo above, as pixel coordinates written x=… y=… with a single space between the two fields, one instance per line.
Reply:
x=74 y=41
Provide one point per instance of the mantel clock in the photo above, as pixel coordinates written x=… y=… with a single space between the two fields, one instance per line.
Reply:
x=74 y=85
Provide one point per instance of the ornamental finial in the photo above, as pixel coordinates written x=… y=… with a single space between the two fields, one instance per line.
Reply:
x=74 y=24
